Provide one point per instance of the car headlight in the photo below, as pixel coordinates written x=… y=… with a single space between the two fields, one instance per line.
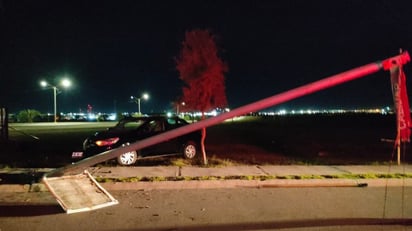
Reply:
x=106 y=142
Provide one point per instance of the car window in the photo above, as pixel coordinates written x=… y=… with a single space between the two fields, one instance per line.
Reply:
x=171 y=121
x=155 y=126
x=131 y=125
x=176 y=121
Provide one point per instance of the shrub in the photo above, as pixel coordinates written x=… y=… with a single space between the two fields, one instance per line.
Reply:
x=28 y=116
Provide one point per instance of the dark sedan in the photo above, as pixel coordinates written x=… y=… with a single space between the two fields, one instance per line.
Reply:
x=131 y=129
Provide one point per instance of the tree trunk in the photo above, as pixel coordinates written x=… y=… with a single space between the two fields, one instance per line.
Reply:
x=202 y=142
x=202 y=145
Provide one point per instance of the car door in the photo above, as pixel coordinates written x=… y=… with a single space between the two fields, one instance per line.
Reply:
x=156 y=127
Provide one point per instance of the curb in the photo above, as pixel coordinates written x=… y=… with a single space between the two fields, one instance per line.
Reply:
x=171 y=177
x=225 y=184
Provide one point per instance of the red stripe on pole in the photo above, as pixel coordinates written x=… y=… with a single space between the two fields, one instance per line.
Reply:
x=400 y=98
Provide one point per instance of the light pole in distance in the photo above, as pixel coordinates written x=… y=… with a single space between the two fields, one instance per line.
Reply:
x=64 y=83
x=137 y=100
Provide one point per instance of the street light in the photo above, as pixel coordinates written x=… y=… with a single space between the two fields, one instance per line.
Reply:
x=64 y=83
x=144 y=96
x=178 y=106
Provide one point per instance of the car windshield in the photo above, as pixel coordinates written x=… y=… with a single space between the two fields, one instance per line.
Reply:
x=129 y=124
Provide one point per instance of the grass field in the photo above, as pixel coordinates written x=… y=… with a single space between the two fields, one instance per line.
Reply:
x=314 y=139
x=326 y=139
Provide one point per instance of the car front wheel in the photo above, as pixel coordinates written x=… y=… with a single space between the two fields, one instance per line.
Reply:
x=189 y=150
x=127 y=158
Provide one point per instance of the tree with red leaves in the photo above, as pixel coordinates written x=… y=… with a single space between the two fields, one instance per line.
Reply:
x=202 y=72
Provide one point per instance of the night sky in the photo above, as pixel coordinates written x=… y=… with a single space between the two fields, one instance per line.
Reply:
x=114 y=49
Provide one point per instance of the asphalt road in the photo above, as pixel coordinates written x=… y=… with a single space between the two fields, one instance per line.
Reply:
x=327 y=208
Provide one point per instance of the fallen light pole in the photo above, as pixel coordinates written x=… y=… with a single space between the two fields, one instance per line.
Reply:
x=77 y=191
x=252 y=107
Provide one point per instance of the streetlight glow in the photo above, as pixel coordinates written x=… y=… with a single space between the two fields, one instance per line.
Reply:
x=66 y=83
x=145 y=96
x=43 y=83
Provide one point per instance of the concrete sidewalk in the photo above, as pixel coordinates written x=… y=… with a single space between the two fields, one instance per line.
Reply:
x=248 y=170
x=174 y=177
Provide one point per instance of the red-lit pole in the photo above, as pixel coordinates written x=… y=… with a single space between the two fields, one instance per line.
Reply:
x=256 y=106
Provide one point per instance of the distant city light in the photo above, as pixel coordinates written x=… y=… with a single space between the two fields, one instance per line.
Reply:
x=383 y=111
x=103 y=116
